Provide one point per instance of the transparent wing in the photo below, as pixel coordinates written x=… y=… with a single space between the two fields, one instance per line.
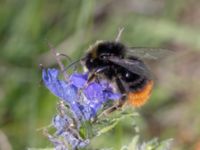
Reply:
x=134 y=66
x=148 y=53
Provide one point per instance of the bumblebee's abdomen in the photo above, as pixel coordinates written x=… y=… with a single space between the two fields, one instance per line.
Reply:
x=133 y=81
x=140 y=96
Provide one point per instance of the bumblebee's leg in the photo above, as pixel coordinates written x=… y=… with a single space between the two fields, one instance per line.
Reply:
x=94 y=74
x=91 y=77
x=122 y=88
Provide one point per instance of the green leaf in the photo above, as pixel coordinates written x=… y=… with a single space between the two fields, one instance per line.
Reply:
x=165 y=145
x=107 y=128
x=133 y=144
x=150 y=145
x=107 y=123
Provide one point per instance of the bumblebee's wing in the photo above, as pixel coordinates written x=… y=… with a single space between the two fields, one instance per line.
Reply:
x=134 y=66
x=148 y=53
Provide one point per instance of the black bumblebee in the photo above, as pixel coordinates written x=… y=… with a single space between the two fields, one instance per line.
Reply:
x=124 y=67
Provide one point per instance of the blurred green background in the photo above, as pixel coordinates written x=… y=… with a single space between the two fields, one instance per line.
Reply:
x=71 y=26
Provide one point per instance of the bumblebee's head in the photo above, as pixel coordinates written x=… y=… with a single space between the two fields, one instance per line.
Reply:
x=90 y=61
x=100 y=52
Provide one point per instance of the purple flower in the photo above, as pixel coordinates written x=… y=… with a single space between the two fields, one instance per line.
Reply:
x=61 y=122
x=66 y=130
x=86 y=104
x=58 y=144
x=84 y=101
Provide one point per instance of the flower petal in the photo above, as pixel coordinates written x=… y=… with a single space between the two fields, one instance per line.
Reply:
x=94 y=91
x=78 y=80
x=58 y=87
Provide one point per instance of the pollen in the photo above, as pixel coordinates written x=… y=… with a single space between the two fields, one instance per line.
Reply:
x=140 y=97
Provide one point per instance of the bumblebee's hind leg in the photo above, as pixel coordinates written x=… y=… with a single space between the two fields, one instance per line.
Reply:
x=116 y=106
x=123 y=89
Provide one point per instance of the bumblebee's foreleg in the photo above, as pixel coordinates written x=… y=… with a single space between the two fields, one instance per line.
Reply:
x=94 y=74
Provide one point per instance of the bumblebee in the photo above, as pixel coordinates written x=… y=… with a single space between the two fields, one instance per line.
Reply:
x=124 y=67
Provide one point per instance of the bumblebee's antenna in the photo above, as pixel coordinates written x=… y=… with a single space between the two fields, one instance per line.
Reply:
x=70 y=65
x=119 y=34
x=70 y=60
x=61 y=54
x=58 y=60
